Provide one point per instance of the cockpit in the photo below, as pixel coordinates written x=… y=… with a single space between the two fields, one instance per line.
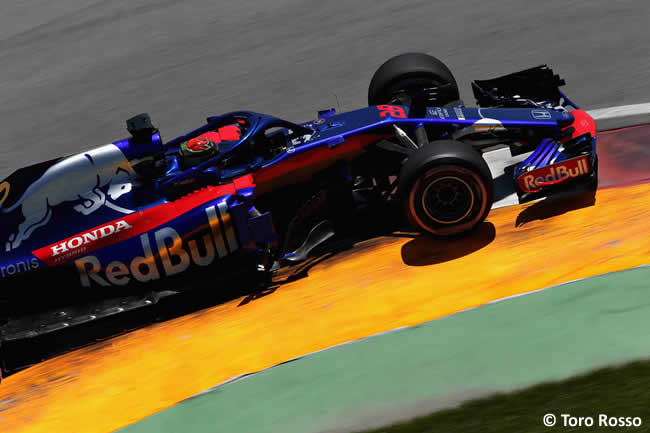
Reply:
x=228 y=146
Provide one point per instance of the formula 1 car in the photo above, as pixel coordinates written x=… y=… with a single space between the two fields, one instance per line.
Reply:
x=246 y=193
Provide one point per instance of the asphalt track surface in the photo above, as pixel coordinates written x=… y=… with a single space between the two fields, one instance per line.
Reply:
x=73 y=71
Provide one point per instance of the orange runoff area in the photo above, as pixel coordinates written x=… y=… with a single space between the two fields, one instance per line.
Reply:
x=379 y=285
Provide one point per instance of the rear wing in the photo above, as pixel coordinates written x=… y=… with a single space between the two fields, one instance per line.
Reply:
x=534 y=87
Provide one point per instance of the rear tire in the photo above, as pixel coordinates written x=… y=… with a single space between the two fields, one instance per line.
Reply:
x=403 y=80
x=446 y=188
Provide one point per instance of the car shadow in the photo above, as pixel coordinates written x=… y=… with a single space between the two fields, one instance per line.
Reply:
x=427 y=250
x=258 y=294
x=554 y=206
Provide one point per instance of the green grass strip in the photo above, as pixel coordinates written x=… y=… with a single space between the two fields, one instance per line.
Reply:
x=607 y=400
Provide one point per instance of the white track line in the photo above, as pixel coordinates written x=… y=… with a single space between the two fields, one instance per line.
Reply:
x=620 y=111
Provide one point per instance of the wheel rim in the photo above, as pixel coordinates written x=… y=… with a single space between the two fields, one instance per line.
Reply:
x=420 y=218
x=403 y=92
x=448 y=200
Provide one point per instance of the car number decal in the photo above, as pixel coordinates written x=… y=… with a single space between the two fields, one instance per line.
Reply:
x=391 y=111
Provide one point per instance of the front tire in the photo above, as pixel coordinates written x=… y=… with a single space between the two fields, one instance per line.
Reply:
x=446 y=188
x=413 y=79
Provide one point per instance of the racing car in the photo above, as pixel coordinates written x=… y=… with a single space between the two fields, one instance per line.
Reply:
x=247 y=193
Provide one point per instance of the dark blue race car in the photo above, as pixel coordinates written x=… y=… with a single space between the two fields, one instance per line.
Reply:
x=246 y=193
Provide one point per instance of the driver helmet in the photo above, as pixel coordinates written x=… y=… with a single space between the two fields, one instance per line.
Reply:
x=200 y=148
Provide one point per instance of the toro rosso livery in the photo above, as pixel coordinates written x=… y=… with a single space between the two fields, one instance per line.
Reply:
x=246 y=193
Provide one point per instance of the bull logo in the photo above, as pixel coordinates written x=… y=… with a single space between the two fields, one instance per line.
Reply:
x=76 y=178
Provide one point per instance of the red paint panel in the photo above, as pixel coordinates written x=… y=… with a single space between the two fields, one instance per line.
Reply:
x=244 y=182
x=230 y=133
x=583 y=123
x=225 y=133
